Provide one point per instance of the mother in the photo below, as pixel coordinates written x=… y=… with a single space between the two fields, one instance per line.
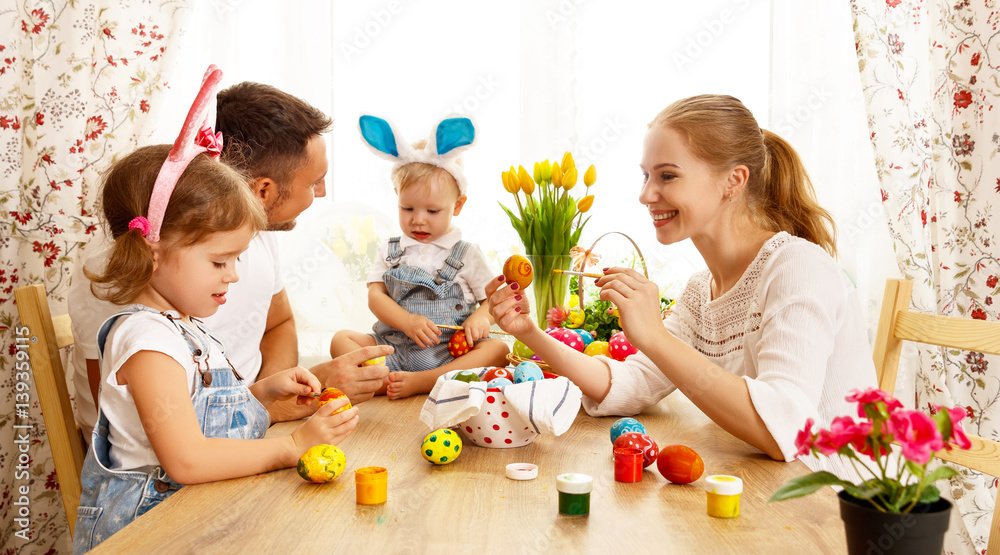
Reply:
x=770 y=334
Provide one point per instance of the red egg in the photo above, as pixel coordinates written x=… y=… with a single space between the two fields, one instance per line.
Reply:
x=569 y=337
x=620 y=347
x=498 y=372
x=458 y=345
x=642 y=442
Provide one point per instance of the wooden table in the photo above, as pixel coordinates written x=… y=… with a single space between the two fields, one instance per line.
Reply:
x=471 y=505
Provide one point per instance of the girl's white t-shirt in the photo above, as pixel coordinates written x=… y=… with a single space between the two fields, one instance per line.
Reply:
x=142 y=331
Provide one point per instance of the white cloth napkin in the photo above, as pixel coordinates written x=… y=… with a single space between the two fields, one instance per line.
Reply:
x=550 y=405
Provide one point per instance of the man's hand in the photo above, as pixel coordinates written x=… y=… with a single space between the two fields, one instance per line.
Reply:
x=345 y=373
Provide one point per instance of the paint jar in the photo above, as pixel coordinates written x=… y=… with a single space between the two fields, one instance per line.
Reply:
x=574 y=493
x=371 y=483
x=628 y=464
x=723 y=495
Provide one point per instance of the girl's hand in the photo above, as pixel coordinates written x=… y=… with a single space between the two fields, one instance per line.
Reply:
x=422 y=330
x=509 y=307
x=294 y=382
x=324 y=427
x=638 y=302
x=476 y=327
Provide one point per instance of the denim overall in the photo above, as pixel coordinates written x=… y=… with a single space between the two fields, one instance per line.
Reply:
x=225 y=408
x=439 y=298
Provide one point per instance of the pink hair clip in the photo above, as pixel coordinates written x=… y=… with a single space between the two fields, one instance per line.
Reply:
x=195 y=137
x=140 y=223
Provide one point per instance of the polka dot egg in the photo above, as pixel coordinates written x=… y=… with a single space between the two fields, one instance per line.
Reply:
x=586 y=337
x=527 y=371
x=625 y=425
x=620 y=347
x=441 y=446
x=569 y=337
x=522 y=350
x=641 y=442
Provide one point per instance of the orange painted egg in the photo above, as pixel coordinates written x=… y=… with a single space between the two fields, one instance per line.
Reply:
x=329 y=394
x=494 y=373
x=458 y=345
x=680 y=464
x=518 y=270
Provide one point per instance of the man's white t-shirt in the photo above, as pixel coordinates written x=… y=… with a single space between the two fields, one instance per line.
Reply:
x=239 y=324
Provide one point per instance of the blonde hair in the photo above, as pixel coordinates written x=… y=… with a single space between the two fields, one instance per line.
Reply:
x=404 y=176
x=723 y=133
x=209 y=197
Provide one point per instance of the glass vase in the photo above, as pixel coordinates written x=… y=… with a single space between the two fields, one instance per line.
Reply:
x=550 y=289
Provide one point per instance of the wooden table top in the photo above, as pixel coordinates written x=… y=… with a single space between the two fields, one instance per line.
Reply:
x=470 y=504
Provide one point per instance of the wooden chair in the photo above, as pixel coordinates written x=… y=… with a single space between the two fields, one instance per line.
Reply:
x=48 y=336
x=897 y=324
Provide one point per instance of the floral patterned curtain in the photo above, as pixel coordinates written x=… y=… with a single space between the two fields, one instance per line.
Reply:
x=929 y=70
x=77 y=81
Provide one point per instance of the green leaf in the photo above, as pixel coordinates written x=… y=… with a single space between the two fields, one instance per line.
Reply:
x=930 y=495
x=940 y=473
x=804 y=485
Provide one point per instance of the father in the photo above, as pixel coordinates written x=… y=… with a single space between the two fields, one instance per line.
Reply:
x=275 y=139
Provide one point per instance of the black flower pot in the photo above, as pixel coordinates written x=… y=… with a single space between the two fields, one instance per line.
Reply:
x=870 y=532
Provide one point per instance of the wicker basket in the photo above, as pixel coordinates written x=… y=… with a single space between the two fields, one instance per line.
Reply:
x=515 y=360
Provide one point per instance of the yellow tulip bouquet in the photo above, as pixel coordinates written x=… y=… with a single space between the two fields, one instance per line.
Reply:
x=549 y=221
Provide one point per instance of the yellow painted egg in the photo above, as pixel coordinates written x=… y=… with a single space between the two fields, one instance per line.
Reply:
x=518 y=270
x=377 y=361
x=441 y=446
x=597 y=348
x=321 y=463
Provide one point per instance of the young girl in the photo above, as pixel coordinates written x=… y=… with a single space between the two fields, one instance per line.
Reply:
x=771 y=334
x=173 y=410
x=428 y=276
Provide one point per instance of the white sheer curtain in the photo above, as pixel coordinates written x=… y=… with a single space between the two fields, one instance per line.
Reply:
x=541 y=78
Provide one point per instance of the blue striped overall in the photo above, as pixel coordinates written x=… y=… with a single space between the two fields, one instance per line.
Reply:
x=439 y=298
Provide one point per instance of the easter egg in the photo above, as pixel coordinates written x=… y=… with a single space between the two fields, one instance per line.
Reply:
x=458 y=345
x=642 y=442
x=466 y=376
x=585 y=336
x=329 y=394
x=527 y=371
x=680 y=464
x=374 y=362
x=536 y=358
x=518 y=270
x=498 y=372
x=497 y=382
x=522 y=350
x=321 y=463
x=597 y=348
x=441 y=446
x=625 y=425
x=569 y=337
x=620 y=347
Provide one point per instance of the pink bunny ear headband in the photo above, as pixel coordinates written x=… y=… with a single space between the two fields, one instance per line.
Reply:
x=195 y=137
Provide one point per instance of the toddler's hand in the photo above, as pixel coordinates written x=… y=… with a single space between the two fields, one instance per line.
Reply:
x=325 y=427
x=422 y=330
x=294 y=382
x=476 y=327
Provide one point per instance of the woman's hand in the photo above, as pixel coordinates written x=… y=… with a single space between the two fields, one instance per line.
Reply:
x=295 y=382
x=422 y=330
x=638 y=302
x=509 y=307
x=324 y=427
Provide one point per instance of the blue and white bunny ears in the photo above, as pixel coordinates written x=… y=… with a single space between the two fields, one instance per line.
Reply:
x=451 y=137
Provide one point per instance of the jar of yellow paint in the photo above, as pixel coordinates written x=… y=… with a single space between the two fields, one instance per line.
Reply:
x=372 y=484
x=723 y=495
